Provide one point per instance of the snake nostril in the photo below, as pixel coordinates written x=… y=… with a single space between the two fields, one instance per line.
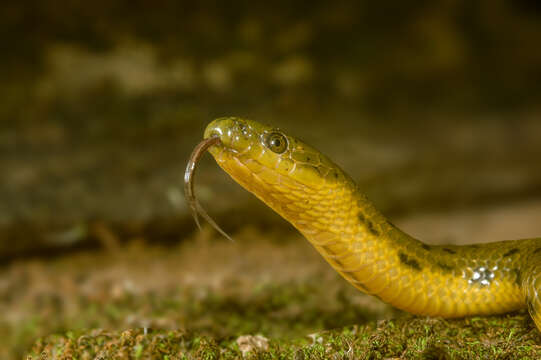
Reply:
x=214 y=133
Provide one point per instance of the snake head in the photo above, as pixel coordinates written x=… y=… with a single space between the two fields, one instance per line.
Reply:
x=269 y=153
x=284 y=172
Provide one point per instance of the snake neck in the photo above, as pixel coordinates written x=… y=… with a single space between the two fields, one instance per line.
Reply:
x=359 y=241
x=377 y=257
x=351 y=234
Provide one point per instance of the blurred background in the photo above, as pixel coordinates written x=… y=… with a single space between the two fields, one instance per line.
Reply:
x=432 y=106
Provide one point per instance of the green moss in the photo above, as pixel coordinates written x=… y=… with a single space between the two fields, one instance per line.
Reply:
x=506 y=337
x=311 y=315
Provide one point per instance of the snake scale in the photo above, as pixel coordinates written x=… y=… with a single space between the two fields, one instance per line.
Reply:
x=324 y=204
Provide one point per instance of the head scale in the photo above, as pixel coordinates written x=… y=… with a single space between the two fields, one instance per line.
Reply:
x=287 y=174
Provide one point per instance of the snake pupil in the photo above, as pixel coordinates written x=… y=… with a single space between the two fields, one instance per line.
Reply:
x=277 y=142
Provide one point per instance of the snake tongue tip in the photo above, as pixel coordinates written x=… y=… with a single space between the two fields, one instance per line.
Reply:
x=196 y=219
x=226 y=236
x=211 y=221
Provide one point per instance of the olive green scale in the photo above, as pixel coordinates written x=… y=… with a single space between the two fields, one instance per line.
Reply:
x=324 y=204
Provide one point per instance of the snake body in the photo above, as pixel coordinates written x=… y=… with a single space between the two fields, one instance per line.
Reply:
x=324 y=204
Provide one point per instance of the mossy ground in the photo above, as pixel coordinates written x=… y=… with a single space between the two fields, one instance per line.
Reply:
x=196 y=299
x=507 y=337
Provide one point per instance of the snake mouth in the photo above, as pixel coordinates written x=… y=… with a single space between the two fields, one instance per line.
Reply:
x=189 y=176
x=262 y=159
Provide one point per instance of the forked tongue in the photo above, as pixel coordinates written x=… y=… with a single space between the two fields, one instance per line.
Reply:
x=189 y=175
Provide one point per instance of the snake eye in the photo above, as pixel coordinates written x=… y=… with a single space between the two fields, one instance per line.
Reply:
x=277 y=142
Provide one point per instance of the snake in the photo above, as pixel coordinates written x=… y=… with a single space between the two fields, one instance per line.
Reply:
x=325 y=205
